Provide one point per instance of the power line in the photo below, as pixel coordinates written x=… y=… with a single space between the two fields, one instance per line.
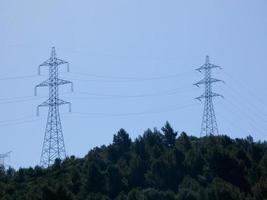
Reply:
x=135 y=57
x=258 y=112
x=20 y=122
x=244 y=85
x=22 y=99
x=252 y=108
x=106 y=80
x=120 y=78
x=226 y=119
x=239 y=110
x=19 y=101
x=118 y=96
x=17 y=77
x=147 y=112
x=17 y=119
x=15 y=98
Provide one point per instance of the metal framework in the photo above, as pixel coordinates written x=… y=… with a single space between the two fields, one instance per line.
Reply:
x=53 y=144
x=3 y=157
x=209 y=123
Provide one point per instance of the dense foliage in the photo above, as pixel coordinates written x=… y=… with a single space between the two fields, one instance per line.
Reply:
x=156 y=166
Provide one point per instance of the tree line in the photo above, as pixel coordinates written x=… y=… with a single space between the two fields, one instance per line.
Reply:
x=158 y=165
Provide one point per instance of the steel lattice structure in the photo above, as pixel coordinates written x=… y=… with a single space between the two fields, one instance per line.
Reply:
x=53 y=144
x=209 y=124
x=3 y=157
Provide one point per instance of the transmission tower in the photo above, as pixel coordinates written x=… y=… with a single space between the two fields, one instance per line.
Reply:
x=3 y=157
x=209 y=123
x=53 y=144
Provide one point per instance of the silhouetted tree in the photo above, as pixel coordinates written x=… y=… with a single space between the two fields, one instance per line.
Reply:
x=169 y=135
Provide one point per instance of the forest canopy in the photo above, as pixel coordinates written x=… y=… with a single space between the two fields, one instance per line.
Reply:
x=158 y=165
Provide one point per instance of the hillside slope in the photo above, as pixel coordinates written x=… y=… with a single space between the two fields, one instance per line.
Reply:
x=159 y=165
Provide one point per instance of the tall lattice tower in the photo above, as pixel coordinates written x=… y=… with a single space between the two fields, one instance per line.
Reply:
x=209 y=123
x=53 y=144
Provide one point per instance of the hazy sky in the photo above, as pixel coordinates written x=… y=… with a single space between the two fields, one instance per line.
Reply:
x=132 y=64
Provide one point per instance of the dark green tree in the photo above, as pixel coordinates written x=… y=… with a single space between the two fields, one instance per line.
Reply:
x=95 y=180
x=122 y=140
x=169 y=135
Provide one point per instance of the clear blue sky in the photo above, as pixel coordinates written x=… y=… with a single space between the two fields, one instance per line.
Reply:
x=129 y=51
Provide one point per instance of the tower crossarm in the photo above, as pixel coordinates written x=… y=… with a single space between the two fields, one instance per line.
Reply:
x=50 y=102
x=203 y=96
x=62 y=102
x=43 y=84
x=59 y=82
x=55 y=61
x=46 y=83
x=64 y=82
x=207 y=81
x=208 y=66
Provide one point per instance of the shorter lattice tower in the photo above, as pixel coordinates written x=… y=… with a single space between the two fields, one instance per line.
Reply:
x=209 y=124
x=3 y=158
x=53 y=144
